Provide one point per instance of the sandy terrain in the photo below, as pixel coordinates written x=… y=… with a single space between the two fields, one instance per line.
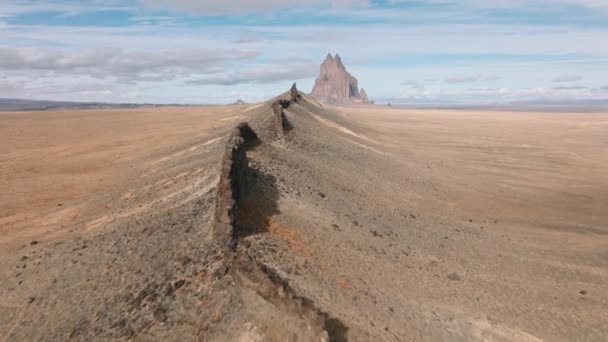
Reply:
x=359 y=224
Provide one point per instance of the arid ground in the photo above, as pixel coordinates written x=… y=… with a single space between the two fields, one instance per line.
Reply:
x=362 y=223
x=61 y=171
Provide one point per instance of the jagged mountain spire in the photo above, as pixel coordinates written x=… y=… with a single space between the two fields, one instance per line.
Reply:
x=335 y=84
x=293 y=93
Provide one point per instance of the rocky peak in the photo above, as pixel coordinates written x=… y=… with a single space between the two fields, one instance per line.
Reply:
x=363 y=96
x=335 y=84
x=293 y=93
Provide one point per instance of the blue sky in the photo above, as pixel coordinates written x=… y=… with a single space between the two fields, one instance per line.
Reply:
x=197 y=51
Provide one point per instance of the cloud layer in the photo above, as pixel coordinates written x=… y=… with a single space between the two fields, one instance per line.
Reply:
x=567 y=78
x=472 y=79
x=125 y=66
x=218 y=7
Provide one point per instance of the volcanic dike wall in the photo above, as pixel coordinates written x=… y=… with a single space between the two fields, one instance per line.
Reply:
x=234 y=169
x=232 y=188
x=233 y=182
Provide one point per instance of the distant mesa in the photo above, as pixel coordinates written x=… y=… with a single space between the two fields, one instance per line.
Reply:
x=240 y=102
x=337 y=85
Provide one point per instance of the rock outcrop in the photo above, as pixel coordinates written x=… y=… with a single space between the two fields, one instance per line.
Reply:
x=335 y=84
x=233 y=182
x=293 y=93
x=363 y=96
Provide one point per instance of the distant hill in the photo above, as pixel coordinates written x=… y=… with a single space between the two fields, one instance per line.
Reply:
x=8 y=105
x=563 y=105
x=591 y=106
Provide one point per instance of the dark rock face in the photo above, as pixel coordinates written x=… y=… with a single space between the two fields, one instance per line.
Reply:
x=335 y=84
x=293 y=94
x=232 y=185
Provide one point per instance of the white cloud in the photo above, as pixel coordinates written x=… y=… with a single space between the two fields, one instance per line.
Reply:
x=501 y=95
x=116 y=63
x=567 y=78
x=11 y=8
x=414 y=84
x=594 y=4
x=570 y=88
x=472 y=79
x=218 y=7
x=267 y=74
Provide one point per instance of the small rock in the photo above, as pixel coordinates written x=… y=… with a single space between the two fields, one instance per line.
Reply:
x=184 y=260
x=322 y=195
x=127 y=332
x=33 y=243
x=376 y=234
x=31 y=300
x=180 y=283
x=169 y=291
x=160 y=314
x=583 y=292
x=454 y=276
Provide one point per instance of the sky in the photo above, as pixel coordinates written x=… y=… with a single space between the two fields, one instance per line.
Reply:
x=218 y=51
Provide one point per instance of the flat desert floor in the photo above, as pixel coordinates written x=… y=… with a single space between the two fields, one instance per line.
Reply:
x=540 y=173
x=401 y=224
x=59 y=169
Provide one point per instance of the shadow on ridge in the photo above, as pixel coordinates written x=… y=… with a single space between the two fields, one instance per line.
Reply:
x=287 y=126
x=258 y=205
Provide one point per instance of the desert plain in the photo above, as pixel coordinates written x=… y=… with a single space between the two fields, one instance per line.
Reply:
x=380 y=223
